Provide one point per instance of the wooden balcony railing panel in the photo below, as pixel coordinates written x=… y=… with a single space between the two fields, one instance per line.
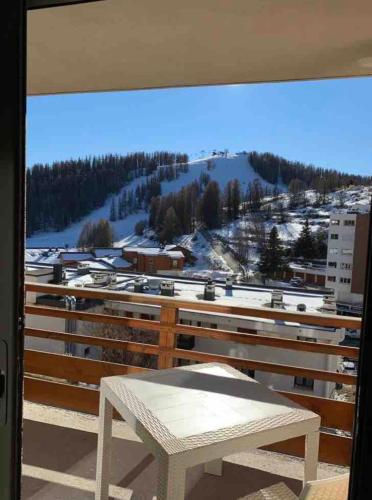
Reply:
x=255 y=339
x=55 y=312
x=61 y=395
x=333 y=449
x=73 y=368
x=334 y=414
x=167 y=354
x=167 y=337
x=108 y=343
x=264 y=366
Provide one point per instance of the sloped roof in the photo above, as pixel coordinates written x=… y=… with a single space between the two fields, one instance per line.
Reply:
x=106 y=252
x=115 y=262
x=76 y=256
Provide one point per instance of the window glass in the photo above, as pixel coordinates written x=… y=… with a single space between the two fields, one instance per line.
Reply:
x=304 y=383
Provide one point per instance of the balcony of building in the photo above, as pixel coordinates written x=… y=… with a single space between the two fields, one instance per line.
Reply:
x=61 y=398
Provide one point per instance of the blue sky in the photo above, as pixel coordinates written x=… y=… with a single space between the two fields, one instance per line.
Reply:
x=327 y=123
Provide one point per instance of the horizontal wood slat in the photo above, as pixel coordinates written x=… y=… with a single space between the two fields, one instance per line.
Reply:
x=54 y=312
x=266 y=367
x=73 y=368
x=97 y=341
x=255 y=339
x=200 y=305
x=333 y=449
x=69 y=397
x=334 y=414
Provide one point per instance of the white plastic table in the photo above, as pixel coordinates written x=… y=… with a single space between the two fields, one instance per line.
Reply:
x=199 y=414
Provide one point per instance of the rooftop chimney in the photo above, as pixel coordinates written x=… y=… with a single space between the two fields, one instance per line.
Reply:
x=229 y=283
x=210 y=290
x=277 y=299
x=57 y=274
x=83 y=269
x=139 y=284
x=167 y=288
x=329 y=304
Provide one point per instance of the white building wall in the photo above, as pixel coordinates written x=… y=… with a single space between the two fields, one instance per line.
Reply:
x=258 y=352
x=42 y=275
x=340 y=252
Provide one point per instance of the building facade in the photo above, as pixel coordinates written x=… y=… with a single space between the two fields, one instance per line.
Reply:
x=347 y=258
x=153 y=260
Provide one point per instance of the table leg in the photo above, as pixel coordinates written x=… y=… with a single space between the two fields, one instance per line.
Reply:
x=104 y=449
x=311 y=456
x=171 y=481
x=214 y=467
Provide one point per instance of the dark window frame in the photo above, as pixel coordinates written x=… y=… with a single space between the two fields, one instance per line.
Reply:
x=12 y=104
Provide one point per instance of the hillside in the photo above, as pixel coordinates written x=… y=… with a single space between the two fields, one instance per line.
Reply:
x=166 y=180
x=221 y=169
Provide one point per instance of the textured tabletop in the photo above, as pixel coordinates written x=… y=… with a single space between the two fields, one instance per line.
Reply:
x=188 y=407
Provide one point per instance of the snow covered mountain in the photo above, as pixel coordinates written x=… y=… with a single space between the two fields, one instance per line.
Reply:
x=221 y=168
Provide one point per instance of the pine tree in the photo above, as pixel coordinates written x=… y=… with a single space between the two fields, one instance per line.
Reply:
x=305 y=245
x=98 y=234
x=272 y=260
x=255 y=195
x=113 y=211
x=321 y=240
x=232 y=199
x=170 y=227
x=210 y=206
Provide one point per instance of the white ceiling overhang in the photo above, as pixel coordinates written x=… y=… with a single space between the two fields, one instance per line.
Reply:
x=138 y=44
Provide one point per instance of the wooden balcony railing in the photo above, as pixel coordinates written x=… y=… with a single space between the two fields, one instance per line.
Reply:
x=56 y=370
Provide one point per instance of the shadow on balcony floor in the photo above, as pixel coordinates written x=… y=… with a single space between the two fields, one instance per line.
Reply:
x=59 y=464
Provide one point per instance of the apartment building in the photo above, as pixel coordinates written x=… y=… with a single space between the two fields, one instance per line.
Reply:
x=347 y=259
x=221 y=293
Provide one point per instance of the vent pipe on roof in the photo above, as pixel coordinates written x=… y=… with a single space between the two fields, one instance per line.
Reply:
x=167 y=288
x=57 y=274
x=277 y=299
x=139 y=285
x=210 y=290
x=83 y=269
x=229 y=283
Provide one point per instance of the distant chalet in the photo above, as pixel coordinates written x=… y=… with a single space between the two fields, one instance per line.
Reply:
x=137 y=259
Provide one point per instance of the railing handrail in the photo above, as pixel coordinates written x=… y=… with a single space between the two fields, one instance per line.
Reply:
x=330 y=320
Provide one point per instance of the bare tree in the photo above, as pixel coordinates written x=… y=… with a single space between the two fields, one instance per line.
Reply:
x=341 y=198
x=241 y=239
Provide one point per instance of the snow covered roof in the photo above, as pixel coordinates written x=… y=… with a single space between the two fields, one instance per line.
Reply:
x=155 y=251
x=98 y=264
x=115 y=262
x=108 y=252
x=76 y=256
x=241 y=295
x=42 y=256
x=318 y=269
